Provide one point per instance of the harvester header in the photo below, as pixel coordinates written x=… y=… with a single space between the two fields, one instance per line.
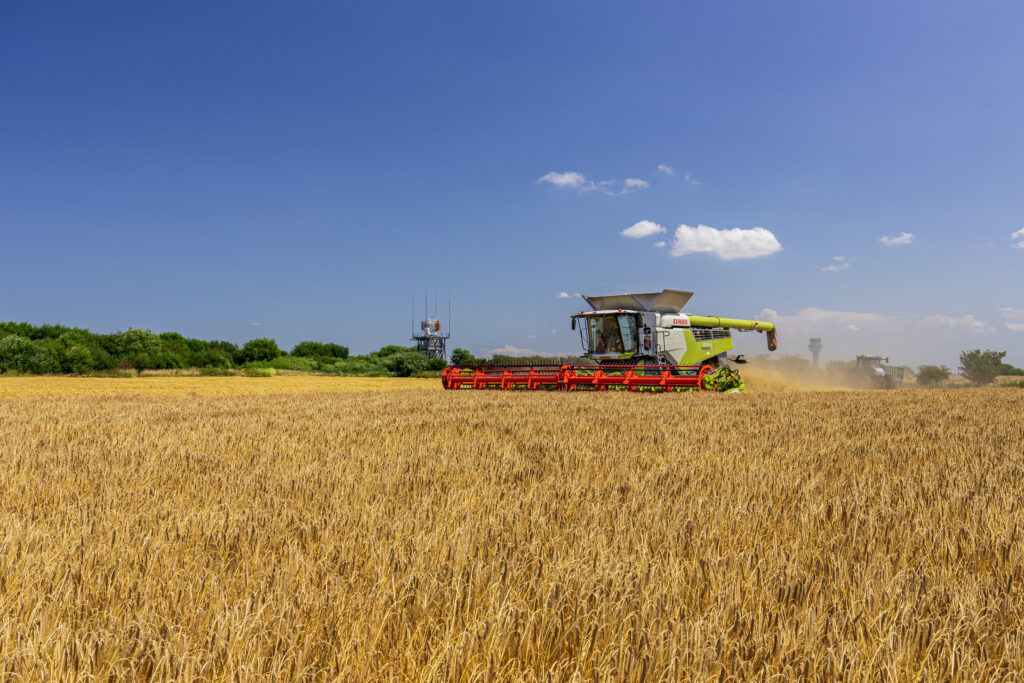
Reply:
x=637 y=341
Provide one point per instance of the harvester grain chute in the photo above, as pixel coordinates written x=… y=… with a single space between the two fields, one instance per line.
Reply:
x=633 y=342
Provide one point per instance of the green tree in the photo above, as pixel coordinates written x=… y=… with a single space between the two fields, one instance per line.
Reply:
x=45 y=357
x=261 y=349
x=981 y=367
x=16 y=353
x=406 y=363
x=392 y=349
x=312 y=349
x=1008 y=369
x=462 y=357
x=76 y=359
x=212 y=358
x=930 y=375
x=141 y=348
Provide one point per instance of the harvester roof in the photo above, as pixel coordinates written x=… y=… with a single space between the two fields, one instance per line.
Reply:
x=665 y=301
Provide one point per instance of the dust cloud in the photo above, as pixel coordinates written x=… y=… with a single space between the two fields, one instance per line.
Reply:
x=788 y=374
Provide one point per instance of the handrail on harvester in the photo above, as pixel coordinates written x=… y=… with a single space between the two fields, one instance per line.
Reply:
x=578 y=377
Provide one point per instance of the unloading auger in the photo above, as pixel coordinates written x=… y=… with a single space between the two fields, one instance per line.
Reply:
x=632 y=342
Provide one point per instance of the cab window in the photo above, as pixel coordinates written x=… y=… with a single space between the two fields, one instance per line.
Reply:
x=611 y=334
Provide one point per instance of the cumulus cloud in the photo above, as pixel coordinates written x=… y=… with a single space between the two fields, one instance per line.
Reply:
x=1010 y=315
x=690 y=179
x=567 y=295
x=896 y=240
x=660 y=244
x=574 y=180
x=1019 y=237
x=735 y=243
x=840 y=264
x=566 y=179
x=813 y=319
x=666 y=169
x=968 y=322
x=642 y=229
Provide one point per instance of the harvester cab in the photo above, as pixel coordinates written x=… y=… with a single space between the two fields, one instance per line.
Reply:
x=635 y=342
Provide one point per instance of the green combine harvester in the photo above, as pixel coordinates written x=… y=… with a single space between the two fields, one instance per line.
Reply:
x=633 y=342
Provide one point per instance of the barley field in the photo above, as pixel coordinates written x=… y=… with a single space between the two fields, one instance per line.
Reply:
x=214 y=533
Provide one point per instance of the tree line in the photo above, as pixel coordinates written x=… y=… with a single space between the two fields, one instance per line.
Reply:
x=46 y=349
x=980 y=367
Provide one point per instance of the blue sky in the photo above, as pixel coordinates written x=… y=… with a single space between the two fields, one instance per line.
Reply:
x=202 y=167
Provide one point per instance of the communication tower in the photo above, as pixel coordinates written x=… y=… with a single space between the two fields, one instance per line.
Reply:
x=815 y=349
x=430 y=340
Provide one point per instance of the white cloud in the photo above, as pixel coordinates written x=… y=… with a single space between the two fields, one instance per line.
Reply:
x=852 y=328
x=1019 y=236
x=567 y=295
x=735 y=243
x=840 y=263
x=531 y=336
x=256 y=324
x=666 y=169
x=566 y=179
x=896 y=240
x=690 y=179
x=642 y=229
x=968 y=322
x=661 y=244
x=811 y=318
x=577 y=181
x=1012 y=314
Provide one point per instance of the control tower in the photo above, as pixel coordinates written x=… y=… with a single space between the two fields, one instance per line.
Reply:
x=815 y=349
x=430 y=340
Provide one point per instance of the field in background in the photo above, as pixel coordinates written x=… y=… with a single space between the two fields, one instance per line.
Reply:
x=436 y=535
x=62 y=385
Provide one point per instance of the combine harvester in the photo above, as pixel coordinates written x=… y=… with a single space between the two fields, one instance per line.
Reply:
x=635 y=342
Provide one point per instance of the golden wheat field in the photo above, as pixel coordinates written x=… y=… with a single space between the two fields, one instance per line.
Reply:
x=202 y=386
x=428 y=535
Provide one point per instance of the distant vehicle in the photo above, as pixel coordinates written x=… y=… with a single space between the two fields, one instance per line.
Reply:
x=874 y=372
